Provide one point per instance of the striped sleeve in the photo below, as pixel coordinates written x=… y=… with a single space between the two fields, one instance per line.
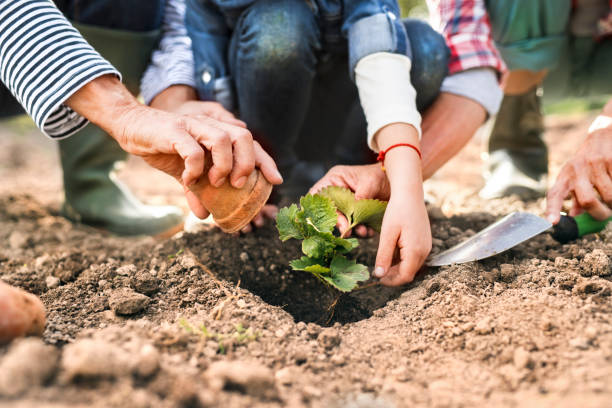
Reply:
x=172 y=63
x=43 y=61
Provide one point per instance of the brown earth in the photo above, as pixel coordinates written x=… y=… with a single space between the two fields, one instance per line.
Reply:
x=209 y=319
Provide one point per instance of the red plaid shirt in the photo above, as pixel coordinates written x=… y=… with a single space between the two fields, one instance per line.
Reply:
x=466 y=27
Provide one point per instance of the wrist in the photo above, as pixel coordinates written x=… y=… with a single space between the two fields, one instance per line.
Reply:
x=402 y=164
x=173 y=97
x=103 y=101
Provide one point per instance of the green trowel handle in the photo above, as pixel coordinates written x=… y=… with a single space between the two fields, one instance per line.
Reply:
x=571 y=228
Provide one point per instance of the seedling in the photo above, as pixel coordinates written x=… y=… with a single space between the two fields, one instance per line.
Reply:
x=314 y=222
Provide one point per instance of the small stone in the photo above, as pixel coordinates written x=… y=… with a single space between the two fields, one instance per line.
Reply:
x=148 y=362
x=579 y=343
x=145 y=283
x=596 y=263
x=591 y=333
x=245 y=377
x=280 y=333
x=337 y=360
x=261 y=269
x=126 y=270
x=28 y=363
x=41 y=261
x=300 y=326
x=522 y=358
x=484 y=326
x=286 y=376
x=241 y=303
x=187 y=262
x=18 y=240
x=126 y=302
x=507 y=273
x=329 y=338
x=93 y=359
x=52 y=282
x=244 y=257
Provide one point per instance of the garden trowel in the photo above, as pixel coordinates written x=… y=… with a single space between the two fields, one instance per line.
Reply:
x=512 y=230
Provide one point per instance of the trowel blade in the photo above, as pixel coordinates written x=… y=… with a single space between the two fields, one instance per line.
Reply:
x=496 y=238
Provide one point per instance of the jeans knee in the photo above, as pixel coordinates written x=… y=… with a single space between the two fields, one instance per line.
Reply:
x=278 y=33
x=430 y=58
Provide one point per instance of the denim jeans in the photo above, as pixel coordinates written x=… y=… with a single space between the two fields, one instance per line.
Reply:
x=127 y=15
x=297 y=97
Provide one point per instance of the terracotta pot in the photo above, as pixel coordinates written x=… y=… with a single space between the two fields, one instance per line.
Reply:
x=21 y=313
x=234 y=208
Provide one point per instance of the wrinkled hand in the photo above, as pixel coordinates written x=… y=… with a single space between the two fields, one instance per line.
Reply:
x=587 y=177
x=405 y=233
x=174 y=144
x=211 y=109
x=171 y=142
x=366 y=181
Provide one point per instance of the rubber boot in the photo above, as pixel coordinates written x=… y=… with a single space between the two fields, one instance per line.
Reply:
x=518 y=156
x=90 y=158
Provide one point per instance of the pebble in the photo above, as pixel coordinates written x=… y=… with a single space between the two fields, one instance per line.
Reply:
x=93 y=359
x=591 y=333
x=484 y=326
x=17 y=240
x=329 y=338
x=580 y=343
x=145 y=283
x=52 y=282
x=522 y=358
x=241 y=303
x=126 y=270
x=28 y=363
x=244 y=256
x=125 y=302
x=148 y=362
x=507 y=272
x=286 y=376
x=248 y=378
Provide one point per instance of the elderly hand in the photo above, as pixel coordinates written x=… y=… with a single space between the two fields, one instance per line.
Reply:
x=586 y=177
x=171 y=142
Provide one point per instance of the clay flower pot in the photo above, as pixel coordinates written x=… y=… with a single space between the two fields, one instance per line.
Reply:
x=233 y=208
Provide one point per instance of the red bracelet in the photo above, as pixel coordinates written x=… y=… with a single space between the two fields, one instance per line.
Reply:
x=383 y=153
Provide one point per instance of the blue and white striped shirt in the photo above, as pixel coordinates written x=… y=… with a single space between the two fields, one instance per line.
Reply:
x=43 y=61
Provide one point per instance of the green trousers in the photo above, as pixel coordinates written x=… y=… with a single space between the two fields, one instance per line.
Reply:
x=540 y=35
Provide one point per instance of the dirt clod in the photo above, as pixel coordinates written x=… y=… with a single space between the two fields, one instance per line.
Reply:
x=93 y=359
x=329 y=338
x=244 y=377
x=28 y=363
x=126 y=302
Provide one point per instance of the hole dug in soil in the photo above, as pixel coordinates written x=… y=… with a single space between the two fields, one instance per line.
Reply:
x=259 y=262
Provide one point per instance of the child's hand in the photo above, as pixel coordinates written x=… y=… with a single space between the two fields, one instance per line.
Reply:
x=406 y=230
x=405 y=227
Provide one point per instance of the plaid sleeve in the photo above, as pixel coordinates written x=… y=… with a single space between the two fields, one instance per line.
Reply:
x=466 y=27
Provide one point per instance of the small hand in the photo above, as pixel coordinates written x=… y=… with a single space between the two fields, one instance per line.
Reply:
x=405 y=227
x=587 y=178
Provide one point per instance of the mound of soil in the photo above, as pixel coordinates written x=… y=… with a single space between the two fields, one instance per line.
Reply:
x=210 y=319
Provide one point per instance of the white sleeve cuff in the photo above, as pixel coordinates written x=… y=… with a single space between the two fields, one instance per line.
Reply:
x=479 y=84
x=386 y=93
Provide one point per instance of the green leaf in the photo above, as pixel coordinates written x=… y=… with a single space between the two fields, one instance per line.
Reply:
x=318 y=246
x=343 y=198
x=346 y=274
x=318 y=269
x=288 y=224
x=320 y=211
x=310 y=265
x=369 y=212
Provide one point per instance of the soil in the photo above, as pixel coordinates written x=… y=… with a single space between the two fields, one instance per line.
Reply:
x=209 y=319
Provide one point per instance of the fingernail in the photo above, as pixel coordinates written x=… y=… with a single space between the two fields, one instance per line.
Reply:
x=240 y=182
x=379 y=272
x=220 y=182
x=279 y=175
x=551 y=218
